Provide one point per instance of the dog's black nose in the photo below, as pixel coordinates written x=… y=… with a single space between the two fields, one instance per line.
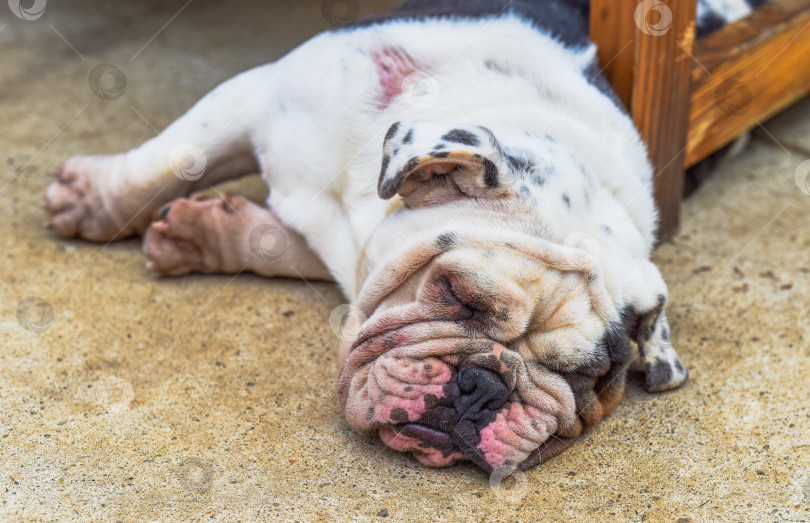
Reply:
x=481 y=392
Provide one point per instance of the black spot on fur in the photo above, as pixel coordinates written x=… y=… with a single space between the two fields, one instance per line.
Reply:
x=680 y=367
x=399 y=415
x=439 y=147
x=491 y=137
x=566 y=200
x=592 y=278
x=518 y=163
x=408 y=137
x=387 y=189
x=446 y=240
x=617 y=343
x=490 y=174
x=607 y=230
x=444 y=154
x=392 y=131
x=538 y=180
x=412 y=164
x=658 y=373
x=463 y=137
x=386 y=161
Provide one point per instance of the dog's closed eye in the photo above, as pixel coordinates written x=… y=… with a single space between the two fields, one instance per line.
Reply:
x=459 y=299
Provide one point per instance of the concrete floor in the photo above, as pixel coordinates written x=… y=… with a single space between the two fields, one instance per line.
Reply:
x=213 y=397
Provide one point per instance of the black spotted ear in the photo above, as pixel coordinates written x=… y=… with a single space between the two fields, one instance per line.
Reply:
x=428 y=163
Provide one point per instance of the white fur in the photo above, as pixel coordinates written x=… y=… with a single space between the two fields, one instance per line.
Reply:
x=728 y=10
x=314 y=123
x=319 y=141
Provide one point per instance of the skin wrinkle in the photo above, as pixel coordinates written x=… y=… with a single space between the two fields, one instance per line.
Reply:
x=543 y=405
x=536 y=386
x=587 y=127
x=418 y=250
x=562 y=305
x=377 y=386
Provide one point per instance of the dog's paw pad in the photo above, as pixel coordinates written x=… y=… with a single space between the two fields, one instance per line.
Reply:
x=74 y=206
x=189 y=235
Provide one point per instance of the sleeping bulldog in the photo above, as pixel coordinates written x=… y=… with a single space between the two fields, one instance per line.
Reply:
x=466 y=176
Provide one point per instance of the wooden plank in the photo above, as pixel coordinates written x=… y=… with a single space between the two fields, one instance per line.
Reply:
x=748 y=72
x=645 y=49
x=738 y=37
x=661 y=93
x=613 y=30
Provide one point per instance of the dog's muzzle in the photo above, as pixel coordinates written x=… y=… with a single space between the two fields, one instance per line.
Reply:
x=451 y=426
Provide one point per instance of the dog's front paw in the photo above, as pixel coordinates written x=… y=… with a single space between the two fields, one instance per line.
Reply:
x=191 y=236
x=74 y=203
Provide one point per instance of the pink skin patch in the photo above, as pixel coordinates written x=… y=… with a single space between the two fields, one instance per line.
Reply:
x=394 y=377
x=404 y=384
x=427 y=456
x=401 y=378
x=516 y=431
x=393 y=66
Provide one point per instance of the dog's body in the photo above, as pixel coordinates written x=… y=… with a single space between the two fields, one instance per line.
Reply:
x=499 y=262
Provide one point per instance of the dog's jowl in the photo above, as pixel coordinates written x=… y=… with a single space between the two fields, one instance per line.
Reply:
x=464 y=173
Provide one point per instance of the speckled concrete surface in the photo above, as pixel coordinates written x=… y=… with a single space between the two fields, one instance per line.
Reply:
x=213 y=397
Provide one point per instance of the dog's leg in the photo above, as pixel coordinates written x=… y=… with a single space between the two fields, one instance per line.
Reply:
x=107 y=197
x=227 y=235
x=662 y=364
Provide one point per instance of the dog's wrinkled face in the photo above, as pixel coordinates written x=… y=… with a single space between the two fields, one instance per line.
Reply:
x=486 y=354
x=484 y=340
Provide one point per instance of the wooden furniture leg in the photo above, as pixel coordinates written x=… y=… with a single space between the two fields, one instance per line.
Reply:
x=645 y=48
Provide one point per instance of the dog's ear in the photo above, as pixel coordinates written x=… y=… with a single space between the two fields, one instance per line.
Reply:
x=646 y=324
x=428 y=163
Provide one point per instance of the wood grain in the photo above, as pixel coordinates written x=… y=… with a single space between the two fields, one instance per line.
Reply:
x=737 y=38
x=613 y=30
x=748 y=72
x=660 y=105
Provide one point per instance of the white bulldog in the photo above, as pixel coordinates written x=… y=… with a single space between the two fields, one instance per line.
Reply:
x=499 y=261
